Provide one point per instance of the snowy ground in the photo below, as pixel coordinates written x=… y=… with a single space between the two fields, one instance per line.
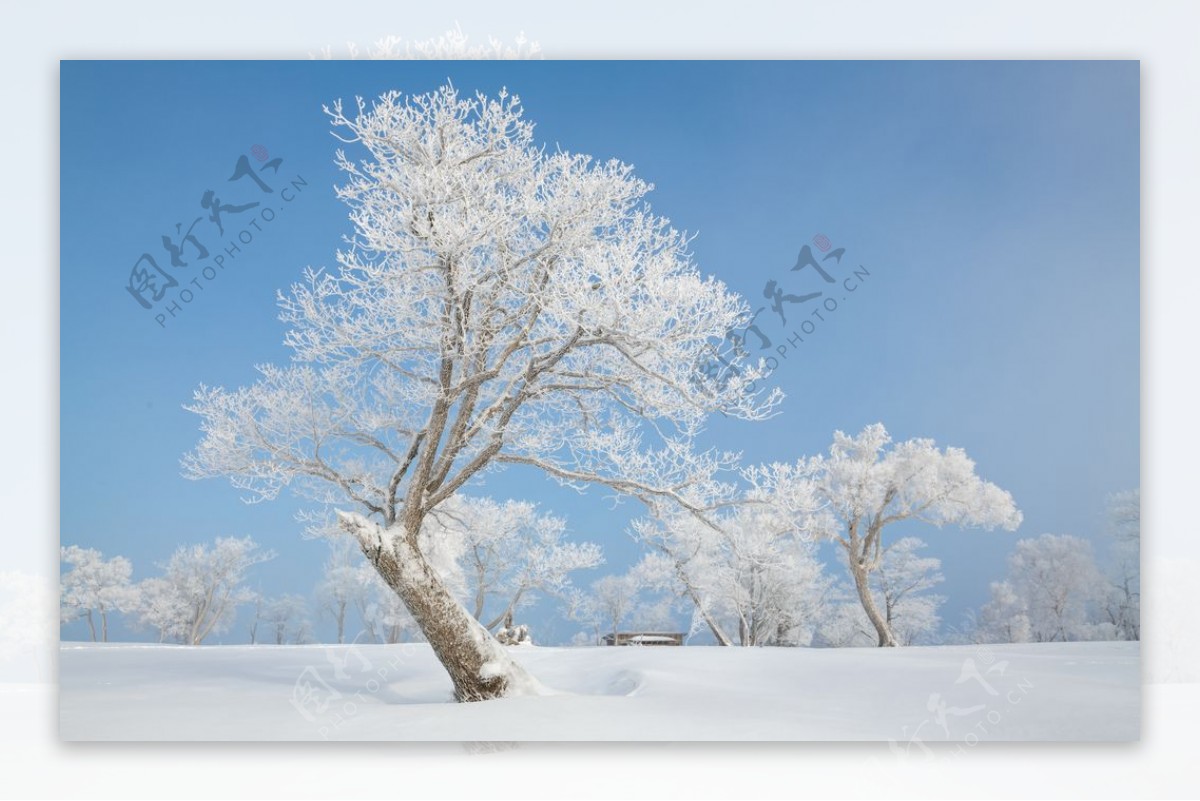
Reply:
x=1073 y=691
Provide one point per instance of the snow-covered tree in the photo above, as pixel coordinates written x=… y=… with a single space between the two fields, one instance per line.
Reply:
x=255 y=621
x=200 y=589
x=580 y=606
x=902 y=586
x=655 y=613
x=497 y=556
x=680 y=564
x=341 y=587
x=510 y=552
x=499 y=304
x=845 y=624
x=611 y=600
x=350 y=580
x=95 y=586
x=1123 y=601
x=751 y=572
x=863 y=486
x=286 y=617
x=901 y=592
x=162 y=608
x=1005 y=617
x=1050 y=595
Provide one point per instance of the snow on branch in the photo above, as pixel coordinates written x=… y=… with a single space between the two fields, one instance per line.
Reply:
x=497 y=304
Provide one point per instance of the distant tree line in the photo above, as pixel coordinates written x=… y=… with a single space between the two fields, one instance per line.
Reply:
x=751 y=579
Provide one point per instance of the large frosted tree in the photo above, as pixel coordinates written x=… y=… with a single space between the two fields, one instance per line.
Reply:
x=867 y=484
x=498 y=304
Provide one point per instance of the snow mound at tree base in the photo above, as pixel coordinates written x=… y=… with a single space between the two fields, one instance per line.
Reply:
x=912 y=697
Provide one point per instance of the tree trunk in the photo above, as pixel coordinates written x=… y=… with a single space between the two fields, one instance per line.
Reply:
x=104 y=625
x=478 y=665
x=91 y=625
x=862 y=583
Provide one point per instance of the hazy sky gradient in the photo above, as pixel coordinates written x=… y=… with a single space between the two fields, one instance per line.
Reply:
x=994 y=204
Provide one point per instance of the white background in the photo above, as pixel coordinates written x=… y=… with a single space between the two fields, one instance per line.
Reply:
x=1164 y=36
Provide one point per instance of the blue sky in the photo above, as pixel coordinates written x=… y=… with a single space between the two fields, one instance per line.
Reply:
x=994 y=204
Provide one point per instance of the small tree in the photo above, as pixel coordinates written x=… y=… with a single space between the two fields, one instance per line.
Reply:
x=1123 y=602
x=612 y=599
x=680 y=564
x=750 y=570
x=341 y=587
x=845 y=624
x=256 y=620
x=287 y=618
x=580 y=606
x=95 y=585
x=499 y=304
x=1005 y=617
x=902 y=585
x=863 y=486
x=1051 y=592
x=510 y=552
x=162 y=608
x=901 y=591
x=200 y=589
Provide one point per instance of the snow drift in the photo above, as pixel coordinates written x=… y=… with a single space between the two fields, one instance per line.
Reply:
x=909 y=696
